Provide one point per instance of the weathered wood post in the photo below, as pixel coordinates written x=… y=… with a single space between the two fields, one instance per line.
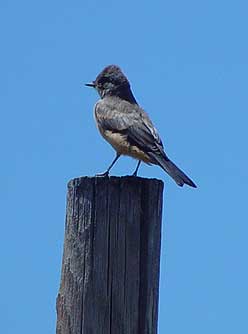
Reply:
x=110 y=270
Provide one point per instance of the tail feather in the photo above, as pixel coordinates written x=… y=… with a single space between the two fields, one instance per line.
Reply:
x=176 y=173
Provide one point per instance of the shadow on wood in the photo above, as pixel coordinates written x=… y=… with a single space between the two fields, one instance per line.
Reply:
x=110 y=270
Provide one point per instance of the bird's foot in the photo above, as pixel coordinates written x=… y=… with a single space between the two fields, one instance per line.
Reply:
x=136 y=170
x=105 y=174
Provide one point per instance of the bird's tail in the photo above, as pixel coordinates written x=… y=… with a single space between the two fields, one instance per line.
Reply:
x=177 y=174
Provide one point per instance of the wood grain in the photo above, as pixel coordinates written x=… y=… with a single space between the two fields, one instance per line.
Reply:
x=110 y=270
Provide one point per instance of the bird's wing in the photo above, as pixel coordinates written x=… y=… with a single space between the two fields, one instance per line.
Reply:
x=131 y=120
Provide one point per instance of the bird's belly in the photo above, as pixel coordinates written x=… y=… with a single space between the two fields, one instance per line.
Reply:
x=120 y=143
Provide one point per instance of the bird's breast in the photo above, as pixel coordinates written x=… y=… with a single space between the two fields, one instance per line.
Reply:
x=119 y=140
x=122 y=146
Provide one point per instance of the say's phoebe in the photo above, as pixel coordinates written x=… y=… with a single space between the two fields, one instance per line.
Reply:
x=127 y=127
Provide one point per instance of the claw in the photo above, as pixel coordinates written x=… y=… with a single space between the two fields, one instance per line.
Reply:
x=105 y=174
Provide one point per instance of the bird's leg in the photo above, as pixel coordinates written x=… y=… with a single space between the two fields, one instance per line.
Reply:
x=112 y=164
x=136 y=170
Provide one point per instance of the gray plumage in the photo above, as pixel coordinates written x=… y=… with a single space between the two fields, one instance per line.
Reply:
x=127 y=127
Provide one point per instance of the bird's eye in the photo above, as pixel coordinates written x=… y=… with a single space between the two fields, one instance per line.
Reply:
x=100 y=84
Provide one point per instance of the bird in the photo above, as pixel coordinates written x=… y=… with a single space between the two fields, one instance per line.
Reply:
x=127 y=127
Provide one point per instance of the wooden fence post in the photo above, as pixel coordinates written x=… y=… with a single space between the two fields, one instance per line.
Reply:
x=110 y=270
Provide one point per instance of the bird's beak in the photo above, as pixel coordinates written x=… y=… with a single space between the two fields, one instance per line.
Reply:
x=90 y=85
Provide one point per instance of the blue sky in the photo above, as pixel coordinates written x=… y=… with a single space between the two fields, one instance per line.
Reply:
x=187 y=63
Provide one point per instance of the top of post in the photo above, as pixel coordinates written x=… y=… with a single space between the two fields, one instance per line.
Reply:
x=82 y=180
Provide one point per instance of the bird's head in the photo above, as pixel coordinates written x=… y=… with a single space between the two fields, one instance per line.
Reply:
x=111 y=82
